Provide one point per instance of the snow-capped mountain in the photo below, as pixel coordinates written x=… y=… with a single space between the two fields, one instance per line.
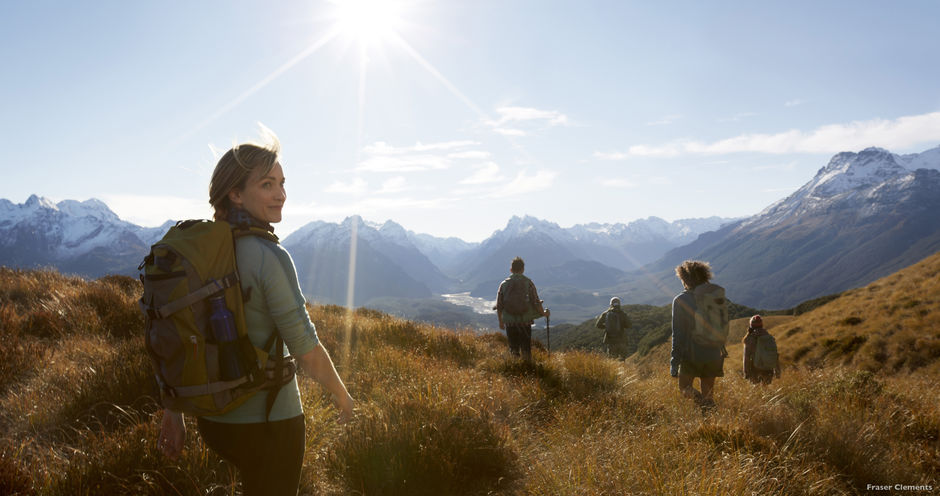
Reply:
x=386 y=263
x=862 y=216
x=546 y=245
x=848 y=178
x=85 y=238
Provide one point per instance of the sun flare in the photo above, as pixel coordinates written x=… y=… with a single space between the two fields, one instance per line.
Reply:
x=368 y=21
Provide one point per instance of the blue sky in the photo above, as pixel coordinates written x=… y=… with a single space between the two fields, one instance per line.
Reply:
x=451 y=116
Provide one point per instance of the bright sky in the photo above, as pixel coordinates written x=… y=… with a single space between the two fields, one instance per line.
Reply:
x=449 y=117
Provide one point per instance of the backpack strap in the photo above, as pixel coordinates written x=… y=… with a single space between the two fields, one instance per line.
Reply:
x=280 y=373
x=204 y=389
x=214 y=286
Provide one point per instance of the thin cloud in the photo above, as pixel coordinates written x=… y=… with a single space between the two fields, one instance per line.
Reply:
x=738 y=117
x=510 y=132
x=395 y=184
x=404 y=163
x=611 y=155
x=357 y=186
x=383 y=148
x=665 y=120
x=520 y=114
x=520 y=121
x=525 y=183
x=470 y=154
x=382 y=157
x=487 y=173
x=618 y=182
x=899 y=133
x=794 y=103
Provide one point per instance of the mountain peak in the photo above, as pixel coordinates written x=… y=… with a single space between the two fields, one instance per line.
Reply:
x=36 y=201
x=89 y=208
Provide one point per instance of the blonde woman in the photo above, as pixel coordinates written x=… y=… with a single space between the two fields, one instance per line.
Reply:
x=247 y=187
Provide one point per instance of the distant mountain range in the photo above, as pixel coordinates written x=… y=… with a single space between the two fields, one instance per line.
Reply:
x=863 y=215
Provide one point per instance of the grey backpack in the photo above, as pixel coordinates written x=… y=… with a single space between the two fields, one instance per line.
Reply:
x=613 y=324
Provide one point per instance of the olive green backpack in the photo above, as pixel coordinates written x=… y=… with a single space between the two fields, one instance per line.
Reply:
x=194 y=261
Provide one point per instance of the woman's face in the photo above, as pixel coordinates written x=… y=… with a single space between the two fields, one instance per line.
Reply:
x=263 y=196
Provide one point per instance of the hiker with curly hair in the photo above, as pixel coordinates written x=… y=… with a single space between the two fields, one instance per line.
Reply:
x=694 y=356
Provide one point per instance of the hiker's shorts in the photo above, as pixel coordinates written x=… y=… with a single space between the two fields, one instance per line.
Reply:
x=713 y=368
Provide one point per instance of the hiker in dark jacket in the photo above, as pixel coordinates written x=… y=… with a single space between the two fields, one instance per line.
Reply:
x=517 y=307
x=755 y=330
x=618 y=341
x=689 y=359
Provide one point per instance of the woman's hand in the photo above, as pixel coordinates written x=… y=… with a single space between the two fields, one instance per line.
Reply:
x=172 y=434
x=345 y=406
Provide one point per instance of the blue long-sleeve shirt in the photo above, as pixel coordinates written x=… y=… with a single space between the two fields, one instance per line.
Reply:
x=276 y=305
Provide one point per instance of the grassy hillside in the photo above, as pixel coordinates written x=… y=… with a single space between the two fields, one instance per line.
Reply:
x=892 y=325
x=441 y=412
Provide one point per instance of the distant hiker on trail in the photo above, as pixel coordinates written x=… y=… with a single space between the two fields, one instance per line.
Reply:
x=517 y=307
x=615 y=324
x=761 y=363
x=699 y=332
x=264 y=441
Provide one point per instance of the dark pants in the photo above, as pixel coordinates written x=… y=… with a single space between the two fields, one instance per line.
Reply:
x=520 y=340
x=268 y=456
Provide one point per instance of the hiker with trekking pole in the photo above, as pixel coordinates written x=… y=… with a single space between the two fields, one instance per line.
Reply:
x=517 y=307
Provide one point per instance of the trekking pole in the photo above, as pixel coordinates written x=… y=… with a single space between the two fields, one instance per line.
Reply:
x=548 y=333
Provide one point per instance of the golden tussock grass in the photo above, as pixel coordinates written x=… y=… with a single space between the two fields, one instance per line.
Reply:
x=445 y=412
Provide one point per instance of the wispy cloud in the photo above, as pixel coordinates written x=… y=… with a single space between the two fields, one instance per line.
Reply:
x=383 y=148
x=470 y=154
x=382 y=157
x=665 y=120
x=740 y=116
x=891 y=134
x=618 y=182
x=793 y=103
x=357 y=186
x=486 y=173
x=611 y=155
x=509 y=132
x=395 y=184
x=525 y=183
x=520 y=114
x=521 y=121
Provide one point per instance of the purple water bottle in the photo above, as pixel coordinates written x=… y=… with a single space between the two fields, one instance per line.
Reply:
x=223 y=330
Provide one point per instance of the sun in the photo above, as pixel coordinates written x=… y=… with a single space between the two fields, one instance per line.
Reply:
x=368 y=21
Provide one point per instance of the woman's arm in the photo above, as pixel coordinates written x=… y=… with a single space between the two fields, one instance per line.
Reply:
x=317 y=364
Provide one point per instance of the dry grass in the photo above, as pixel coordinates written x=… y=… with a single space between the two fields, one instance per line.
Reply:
x=890 y=326
x=444 y=412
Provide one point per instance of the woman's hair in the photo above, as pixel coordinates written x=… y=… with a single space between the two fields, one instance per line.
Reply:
x=233 y=169
x=693 y=272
